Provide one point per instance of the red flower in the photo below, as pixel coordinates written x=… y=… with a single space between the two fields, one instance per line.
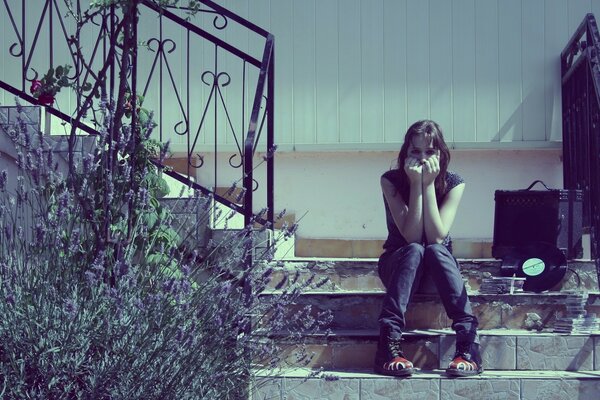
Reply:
x=35 y=86
x=46 y=99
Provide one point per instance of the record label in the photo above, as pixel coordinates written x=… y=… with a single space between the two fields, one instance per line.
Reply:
x=533 y=266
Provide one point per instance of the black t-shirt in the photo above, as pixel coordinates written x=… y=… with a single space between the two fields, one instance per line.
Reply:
x=395 y=240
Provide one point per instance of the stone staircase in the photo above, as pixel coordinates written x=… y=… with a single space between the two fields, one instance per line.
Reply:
x=523 y=358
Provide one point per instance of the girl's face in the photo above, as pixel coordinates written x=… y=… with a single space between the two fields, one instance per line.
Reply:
x=421 y=148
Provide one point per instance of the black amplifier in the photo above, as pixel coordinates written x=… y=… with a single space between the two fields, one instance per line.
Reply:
x=524 y=217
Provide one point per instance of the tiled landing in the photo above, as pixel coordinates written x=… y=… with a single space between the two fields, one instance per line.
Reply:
x=431 y=385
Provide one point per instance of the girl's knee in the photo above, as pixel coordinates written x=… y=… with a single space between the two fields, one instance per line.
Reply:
x=437 y=255
x=409 y=256
x=413 y=248
x=437 y=250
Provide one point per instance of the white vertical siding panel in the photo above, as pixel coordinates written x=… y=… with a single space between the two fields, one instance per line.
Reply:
x=534 y=127
x=417 y=59
x=233 y=126
x=349 y=70
x=6 y=30
x=11 y=66
x=463 y=67
x=440 y=67
x=509 y=71
x=576 y=11
x=486 y=69
x=326 y=72
x=61 y=56
x=174 y=77
x=596 y=10
x=556 y=36
x=198 y=94
x=304 y=71
x=282 y=25
x=394 y=69
x=259 y=13
x=236 y=99
x=372 y=71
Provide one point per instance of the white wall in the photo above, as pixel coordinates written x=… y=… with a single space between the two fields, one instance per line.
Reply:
x=340 y=193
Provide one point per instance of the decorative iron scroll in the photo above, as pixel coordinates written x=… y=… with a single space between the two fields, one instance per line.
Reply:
x=48 y=33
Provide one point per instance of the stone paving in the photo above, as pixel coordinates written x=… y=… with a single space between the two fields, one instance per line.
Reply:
x=501 y=385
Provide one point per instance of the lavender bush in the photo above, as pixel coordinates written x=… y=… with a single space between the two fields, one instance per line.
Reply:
x=104 y=292
x=127 y=312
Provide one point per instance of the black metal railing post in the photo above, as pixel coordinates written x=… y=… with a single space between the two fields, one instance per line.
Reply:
x=271 y=137
x=580 y=74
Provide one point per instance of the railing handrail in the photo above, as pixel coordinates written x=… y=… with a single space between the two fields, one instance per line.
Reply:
x=59 y=114
x=581 y=29
x=589 y=28
x=249 y=143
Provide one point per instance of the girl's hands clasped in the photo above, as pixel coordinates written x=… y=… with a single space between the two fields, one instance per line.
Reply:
x=427 y=169
x=413 y=169
x=431 y=169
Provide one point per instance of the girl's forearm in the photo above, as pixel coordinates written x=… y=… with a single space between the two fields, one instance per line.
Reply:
x=435 y=231
x=413 y=223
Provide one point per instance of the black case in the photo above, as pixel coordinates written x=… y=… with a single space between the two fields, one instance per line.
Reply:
x=524 y=217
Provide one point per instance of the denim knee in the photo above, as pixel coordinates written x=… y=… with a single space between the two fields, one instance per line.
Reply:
x=406 y=258
x=437 y=252
x=414 y=249
x=437 y=249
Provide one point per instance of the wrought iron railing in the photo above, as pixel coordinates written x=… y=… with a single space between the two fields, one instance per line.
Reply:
x=580 y=71
x=207 y=74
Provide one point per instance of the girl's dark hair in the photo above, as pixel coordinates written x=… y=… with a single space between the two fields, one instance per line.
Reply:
x=433 y=132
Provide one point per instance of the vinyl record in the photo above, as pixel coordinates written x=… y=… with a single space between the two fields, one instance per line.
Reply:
x=541 y=264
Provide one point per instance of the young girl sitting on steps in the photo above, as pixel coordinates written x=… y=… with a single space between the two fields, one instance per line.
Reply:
x=421 y=198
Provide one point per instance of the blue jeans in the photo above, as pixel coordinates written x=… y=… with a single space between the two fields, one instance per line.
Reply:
x=401 y=272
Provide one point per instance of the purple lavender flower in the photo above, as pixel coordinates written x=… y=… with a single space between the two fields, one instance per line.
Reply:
x=40 y=233
x=90 y=277
x=10 y=298
x=75 y=241
x=87 y=163
x=185 y=270
x=143 y=197
x=129 y=195
x=122 y=269
x=63 y=203
x=70 y=309
x=3 y=179
x=20 y=233
x=98 y=264
x=185 y=286
x=139 y=304
x=169 y=286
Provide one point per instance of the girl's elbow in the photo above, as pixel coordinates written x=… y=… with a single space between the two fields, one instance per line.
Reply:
x=439 y=239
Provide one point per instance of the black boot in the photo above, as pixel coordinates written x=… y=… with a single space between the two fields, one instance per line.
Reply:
x=466 y=360
x=390 y=360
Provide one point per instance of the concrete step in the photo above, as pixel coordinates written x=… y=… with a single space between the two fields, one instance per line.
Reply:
x=360 y=310
x=353 y=274
x=502 y=349
x=293 y=384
